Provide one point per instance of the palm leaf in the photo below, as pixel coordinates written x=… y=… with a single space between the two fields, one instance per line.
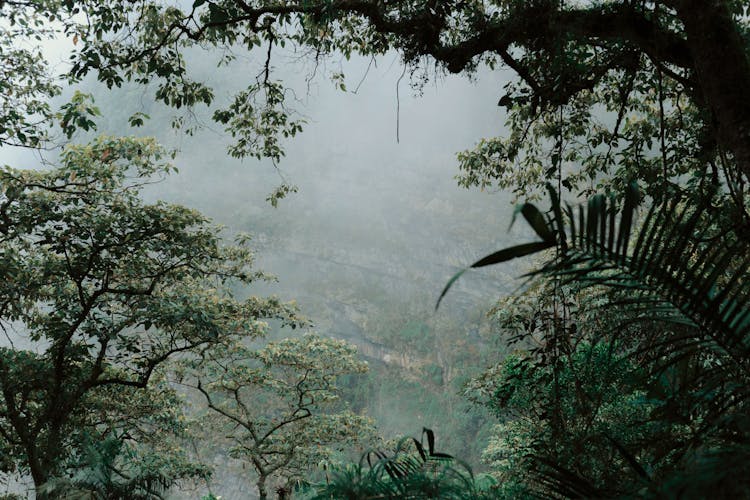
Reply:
x=668 y=268
x=678 y=266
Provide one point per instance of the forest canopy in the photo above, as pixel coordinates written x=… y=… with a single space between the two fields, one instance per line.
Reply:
x=670 y=73
x=643 y=102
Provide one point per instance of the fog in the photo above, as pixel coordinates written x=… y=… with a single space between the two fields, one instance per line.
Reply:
x=374 y=232
x=365 y=201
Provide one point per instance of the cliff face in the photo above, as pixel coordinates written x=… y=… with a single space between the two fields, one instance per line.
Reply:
x=371 y=238
x=368 y=268
x=365 y=253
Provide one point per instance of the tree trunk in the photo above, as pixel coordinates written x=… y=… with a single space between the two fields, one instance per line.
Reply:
x=262 y=493
x=45 y=456
x=40 y=476
x=723 y=72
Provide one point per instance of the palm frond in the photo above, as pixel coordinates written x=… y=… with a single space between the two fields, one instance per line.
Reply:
x=671 y=268
x=679 y=266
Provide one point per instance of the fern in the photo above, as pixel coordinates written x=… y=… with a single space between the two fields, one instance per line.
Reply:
x=412 y=472
x=110 y=470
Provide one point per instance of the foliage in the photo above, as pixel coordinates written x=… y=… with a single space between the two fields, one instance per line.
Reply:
x=671 y=265
x=656 y=384
x=112 y=469
x=600 y=84
x=26 y=83
x=573 y=417
x=411 y=472
x=280 y=404
x=106 y=288
x=629 y=122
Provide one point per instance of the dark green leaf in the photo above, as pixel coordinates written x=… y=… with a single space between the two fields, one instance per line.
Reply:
x=496 y=258
x=536 y=220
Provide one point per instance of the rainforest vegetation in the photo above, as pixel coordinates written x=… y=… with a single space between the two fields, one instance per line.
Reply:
x=144 y=354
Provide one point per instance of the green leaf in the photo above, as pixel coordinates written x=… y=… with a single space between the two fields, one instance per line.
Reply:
x=513 y=252
x=496 y=258
x=536 y=220
x=216 y=14
x=449 y=285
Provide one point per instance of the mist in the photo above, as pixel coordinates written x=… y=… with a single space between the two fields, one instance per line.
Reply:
x=375 y=231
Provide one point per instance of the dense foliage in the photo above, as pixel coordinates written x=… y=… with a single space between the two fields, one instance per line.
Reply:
x=413 y=470
x=643 y=359
x=631 y=374
x=280 y=405
x=103 y=290
x=622 y=76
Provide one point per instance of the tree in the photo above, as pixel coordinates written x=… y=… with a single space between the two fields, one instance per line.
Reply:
x=280 y=404
x=106 y=289
x=666 y=72
x=646 y=384
x=607 y=92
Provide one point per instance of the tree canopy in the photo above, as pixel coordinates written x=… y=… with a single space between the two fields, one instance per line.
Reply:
x=104 y=289
x=669 y=73
x=108 y=288
x=280 y=405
